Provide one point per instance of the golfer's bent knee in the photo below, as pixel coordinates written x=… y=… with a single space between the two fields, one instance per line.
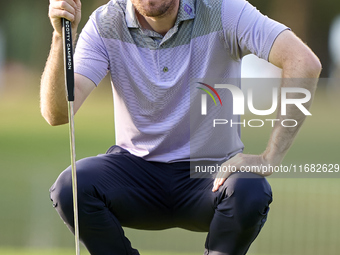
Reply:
x=251 y=197
x=62 y=196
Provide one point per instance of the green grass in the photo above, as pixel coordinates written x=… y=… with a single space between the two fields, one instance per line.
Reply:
x=25 y=251
x=57 y=251
x=304 y=217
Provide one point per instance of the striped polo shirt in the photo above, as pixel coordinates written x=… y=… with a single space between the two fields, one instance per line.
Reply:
x=155 y=78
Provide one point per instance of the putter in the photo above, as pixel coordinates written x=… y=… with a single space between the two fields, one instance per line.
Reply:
x=69 y=80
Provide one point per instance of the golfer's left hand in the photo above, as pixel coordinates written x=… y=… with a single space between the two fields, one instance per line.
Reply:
x=240 y=161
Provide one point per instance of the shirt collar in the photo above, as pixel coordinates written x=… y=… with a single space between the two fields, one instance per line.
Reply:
x=186 y=11
x=130 y=15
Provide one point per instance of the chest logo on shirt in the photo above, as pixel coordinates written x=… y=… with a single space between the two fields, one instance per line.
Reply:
x=187 y=9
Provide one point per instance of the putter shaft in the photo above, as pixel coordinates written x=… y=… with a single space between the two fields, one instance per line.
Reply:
x=69 y=80
x=74 y=175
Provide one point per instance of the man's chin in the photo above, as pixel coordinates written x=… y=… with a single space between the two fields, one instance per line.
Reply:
x=154 y=10
x=152 y=13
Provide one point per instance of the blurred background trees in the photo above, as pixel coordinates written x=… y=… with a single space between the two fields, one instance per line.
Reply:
x=27 y=31
x=309 y=19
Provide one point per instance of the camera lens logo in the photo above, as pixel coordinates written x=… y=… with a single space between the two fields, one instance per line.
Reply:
x=204 y=97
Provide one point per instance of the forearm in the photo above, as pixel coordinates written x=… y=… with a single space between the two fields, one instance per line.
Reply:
x=53 y=100
x=282 y=137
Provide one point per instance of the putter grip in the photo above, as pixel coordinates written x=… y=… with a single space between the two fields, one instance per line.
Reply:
x=68 y=58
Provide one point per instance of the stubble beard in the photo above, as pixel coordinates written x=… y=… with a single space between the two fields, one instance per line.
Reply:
x=150 y=10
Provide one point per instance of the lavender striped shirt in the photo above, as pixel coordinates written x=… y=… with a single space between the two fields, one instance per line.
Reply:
x=153 y=76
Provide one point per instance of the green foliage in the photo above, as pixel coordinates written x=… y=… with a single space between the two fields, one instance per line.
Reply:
x=28 y=31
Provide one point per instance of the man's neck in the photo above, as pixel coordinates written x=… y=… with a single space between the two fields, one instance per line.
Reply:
x=161 y=24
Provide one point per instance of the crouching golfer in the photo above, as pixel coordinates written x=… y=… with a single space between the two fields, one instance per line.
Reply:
x=153 y=49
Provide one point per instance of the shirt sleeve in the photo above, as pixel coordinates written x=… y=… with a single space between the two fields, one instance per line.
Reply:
x=91 y=58
x=246 y=30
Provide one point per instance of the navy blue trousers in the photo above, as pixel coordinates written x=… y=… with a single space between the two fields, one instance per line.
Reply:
x=119 y=189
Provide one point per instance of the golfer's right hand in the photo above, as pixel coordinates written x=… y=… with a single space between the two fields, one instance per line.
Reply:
x=68 y=9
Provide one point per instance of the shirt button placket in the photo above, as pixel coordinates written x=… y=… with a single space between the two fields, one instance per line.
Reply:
x=164 y=61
